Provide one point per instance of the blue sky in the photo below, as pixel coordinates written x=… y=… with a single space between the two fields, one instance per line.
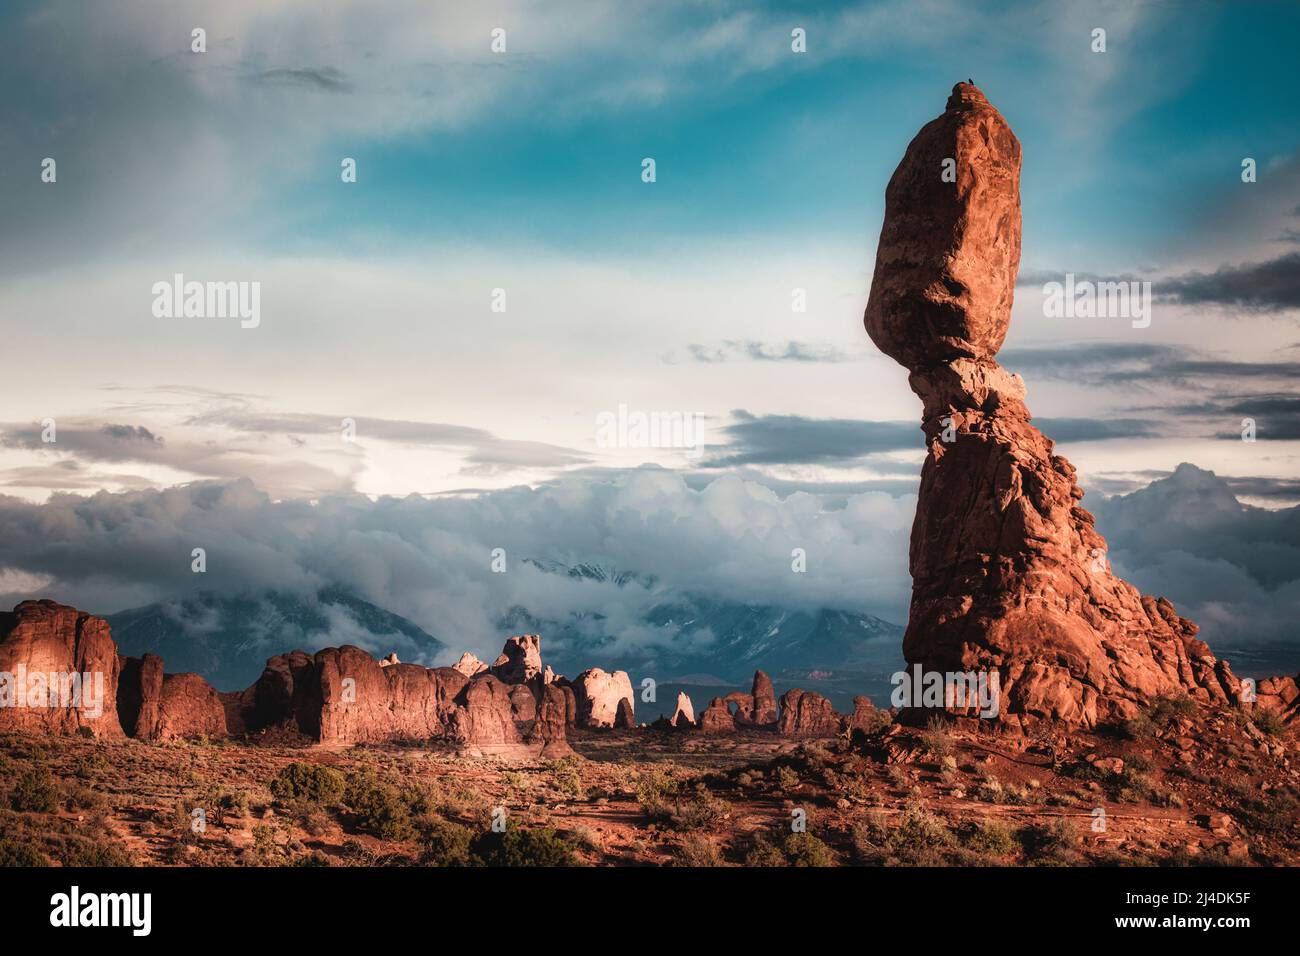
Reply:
x=521 y=171
x=800 y=147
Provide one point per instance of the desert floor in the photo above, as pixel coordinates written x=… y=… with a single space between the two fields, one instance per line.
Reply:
x=1179 y=786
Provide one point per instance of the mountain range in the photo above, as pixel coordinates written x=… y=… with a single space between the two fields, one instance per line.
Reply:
x=227 y=639
x=1233 y=568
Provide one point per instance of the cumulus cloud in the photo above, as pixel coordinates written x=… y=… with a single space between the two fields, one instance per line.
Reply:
x=430 y=559
x=1233 y=569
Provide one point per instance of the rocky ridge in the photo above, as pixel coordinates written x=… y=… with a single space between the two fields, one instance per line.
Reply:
x=343 y=695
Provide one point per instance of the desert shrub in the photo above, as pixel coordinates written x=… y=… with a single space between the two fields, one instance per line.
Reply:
x=569 y=783
x=356 y=853
x=876 y=721
x=919 y=838
x=804 y=849
x=585 y=838
x=444 y=843
x=656 y=793
x=702 y=811
x=519 y=847
x=697 y=850
x=234 y=803
x=937 y=737
x=308 y=782
x=1138 y=763
x=786 y=778
x=98 y=853
x=20 y=854
x=1048 y=843
x=794 y=849
x=1272 y=813
x=315 y=821
x=1158 y=715
x=380 y=811
x=1268 y=721
x=266 y=850
x=991 y=790
x=313 y=859
x=763 y=852
x=35 y=792
x=993 y=838
x=77 y=797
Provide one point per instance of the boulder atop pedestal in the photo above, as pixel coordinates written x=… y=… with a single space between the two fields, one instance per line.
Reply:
x=1008 y=573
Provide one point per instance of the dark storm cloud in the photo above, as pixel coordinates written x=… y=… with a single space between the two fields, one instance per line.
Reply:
x=1276 y=415
x=1269 y=286
x=796 y=440
x=1124 y=363
x=109 y=442
x=793 y=439
x=1095 y=429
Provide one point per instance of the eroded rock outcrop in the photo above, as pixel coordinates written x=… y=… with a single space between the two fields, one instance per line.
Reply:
x=549 y=728
x=764 y=700
x=469 y=665
x=520 y=660
x=599 y=696
x=1008 y=571
x=1280 y=696
x=717 y=718
x=189 y=707
x=684 y=713
x=362 y=701
x=864 y=713
x=806 y=713
x=59 y=671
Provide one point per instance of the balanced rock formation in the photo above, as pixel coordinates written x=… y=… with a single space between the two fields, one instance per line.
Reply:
x=59 y=671
x=1008 y=573
x=600 y=696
